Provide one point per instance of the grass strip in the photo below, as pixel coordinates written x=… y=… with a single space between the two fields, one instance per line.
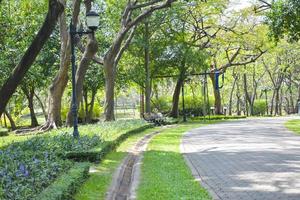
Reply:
x=97 y=185
x=293 y=125
x=165 y=174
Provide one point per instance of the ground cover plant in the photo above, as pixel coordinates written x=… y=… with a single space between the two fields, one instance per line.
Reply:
x=29 y=166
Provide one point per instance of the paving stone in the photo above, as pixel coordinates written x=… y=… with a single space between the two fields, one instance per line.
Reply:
x=251 y=159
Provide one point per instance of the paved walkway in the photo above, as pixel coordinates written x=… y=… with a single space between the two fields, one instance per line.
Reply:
x=252 y=159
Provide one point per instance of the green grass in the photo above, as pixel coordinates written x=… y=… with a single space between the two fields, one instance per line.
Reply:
x=97 y=185
x=165 y=175
x=108 y=131
x=293 y=125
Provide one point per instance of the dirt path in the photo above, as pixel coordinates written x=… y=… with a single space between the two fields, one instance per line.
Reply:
x=126 y=177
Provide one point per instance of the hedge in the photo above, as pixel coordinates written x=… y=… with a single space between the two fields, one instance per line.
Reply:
x=98 y=153
x=65 y=186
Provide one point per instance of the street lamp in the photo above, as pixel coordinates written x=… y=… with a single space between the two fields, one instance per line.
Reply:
x=92 y=22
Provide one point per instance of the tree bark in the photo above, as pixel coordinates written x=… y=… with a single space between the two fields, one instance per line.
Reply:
x=231 y=94
x=276 y=102
x=9 y=87
x=176 y=96
x=90 y=51
x=91 y=107
x=217 y=95
x=29 y=93
x=59 y=83
x=11 y=120
x=109 y=70
x=42 y=105
x=147 y=69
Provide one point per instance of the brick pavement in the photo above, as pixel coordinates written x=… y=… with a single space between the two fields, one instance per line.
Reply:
x=252 y=159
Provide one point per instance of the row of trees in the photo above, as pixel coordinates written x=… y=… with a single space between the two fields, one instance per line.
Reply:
x=139 y=41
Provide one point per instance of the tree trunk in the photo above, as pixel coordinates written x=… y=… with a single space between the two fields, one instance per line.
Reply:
x=29 y=93
x=90 y=51
x=231 y=95
x=176 y=96
x=147 y=69
x=11 y=120
x=91 y=109
x=9 y=87
x=142 y=103
x=217 y=95
x=277 y=99
x=59 y=83
x=109 y=70
x=33 y=118
x=42 y=105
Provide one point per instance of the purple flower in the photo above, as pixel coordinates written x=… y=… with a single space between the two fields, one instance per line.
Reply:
x=22 y=171
x=22 y=168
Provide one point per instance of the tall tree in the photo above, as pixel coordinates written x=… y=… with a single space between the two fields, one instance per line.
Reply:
x=10 y=85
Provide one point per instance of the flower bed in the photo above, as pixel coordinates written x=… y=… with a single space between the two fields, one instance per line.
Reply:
x=30 y=166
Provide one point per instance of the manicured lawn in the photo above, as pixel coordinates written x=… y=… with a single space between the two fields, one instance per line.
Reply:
x=293 y=125
x=97 y=185
x=165 y=175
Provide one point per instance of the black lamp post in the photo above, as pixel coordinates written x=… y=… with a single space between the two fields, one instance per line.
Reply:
x=92 y=22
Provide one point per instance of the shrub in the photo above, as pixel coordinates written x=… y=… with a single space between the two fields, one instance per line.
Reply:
x=194 y=106
x=30 y=166
x=66 y=185
x=98 y=110
x=162 y=104
x=260 y=107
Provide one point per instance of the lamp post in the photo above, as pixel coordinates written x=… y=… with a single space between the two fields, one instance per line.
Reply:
x=92 y=22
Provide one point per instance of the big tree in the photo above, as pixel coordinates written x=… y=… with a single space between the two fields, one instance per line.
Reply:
x=55 y=8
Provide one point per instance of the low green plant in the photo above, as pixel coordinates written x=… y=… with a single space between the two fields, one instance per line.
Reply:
x=27 y=167
x=66 y=185
x=260 y=107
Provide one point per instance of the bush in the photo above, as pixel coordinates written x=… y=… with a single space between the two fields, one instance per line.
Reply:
x=260 y=107
x=30 y=166
x=65 y=186
x=194 y=106
x=162 y=104
x=97 y=111
x=98 y=153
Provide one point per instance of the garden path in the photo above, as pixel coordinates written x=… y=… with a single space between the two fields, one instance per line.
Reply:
x=251 y=159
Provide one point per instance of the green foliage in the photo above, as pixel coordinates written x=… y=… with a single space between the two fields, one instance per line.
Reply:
x=260 y=107
x=161 y=104
x=284 y=18
x=64 y=187
x=28 y=167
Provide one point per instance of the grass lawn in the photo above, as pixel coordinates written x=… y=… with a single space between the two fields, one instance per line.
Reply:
x=108 y=131
x=97 y=185
x=293 y=125
x=165 y=175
